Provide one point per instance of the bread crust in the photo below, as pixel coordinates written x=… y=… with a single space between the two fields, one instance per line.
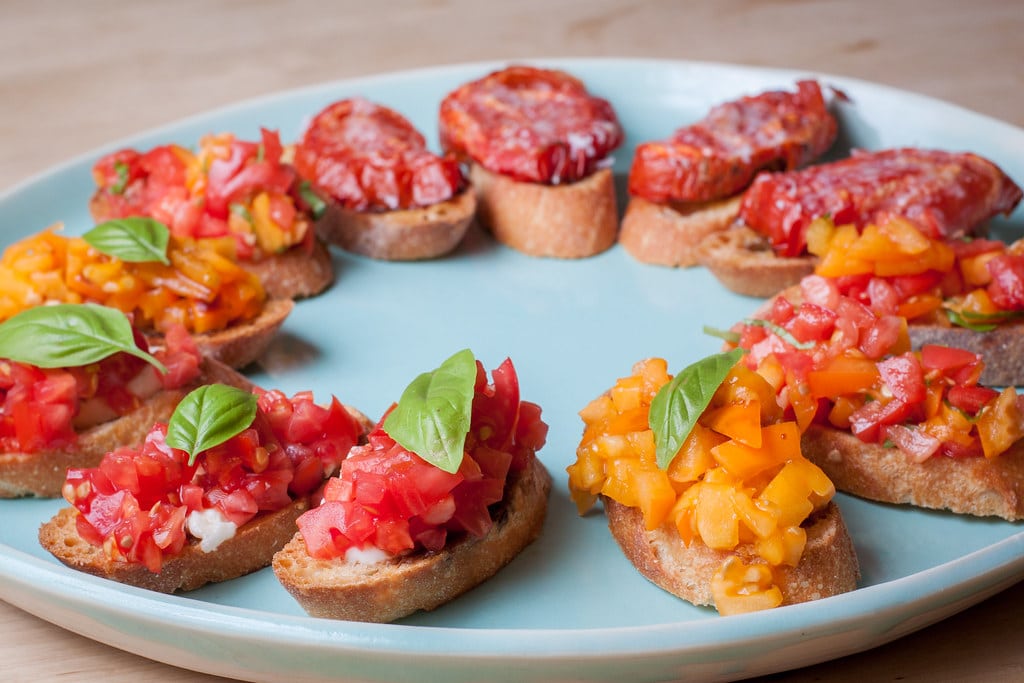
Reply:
x=672 y=235
x=974 y=485
x=295 y=273
x=251 y=548
x=406 y=235
x=240 y=345
x=384 y=592
x=744 y=262
x=1001 y=348
x=43 y=474
x=827 y=567
x=570 y=220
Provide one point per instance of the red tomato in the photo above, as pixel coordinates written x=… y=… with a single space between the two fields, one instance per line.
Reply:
x=812 y=323
x=533 y=125
x=903 y=375
x=970 y=399
x=392 y=499
x=719 y=155
x=370 y=158
x=1007 y=287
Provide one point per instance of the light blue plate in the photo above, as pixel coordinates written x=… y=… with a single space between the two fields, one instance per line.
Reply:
x=570 y=607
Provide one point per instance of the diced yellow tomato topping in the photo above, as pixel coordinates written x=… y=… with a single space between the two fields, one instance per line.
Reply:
x=203 y=288
x=739 y=477
x=1000 y=424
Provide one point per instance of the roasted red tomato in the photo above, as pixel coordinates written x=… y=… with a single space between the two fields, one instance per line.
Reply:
x=390 y=499
x=719 y=155
x=370 y=158
x=533 y=125
x=944 y=194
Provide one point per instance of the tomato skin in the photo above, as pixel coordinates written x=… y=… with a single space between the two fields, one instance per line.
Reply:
x=944 y=194
x=719 y=155
x=1007 y=286
x=390 y=498
x=532 y=125
x=970 y=399
x=368 y=157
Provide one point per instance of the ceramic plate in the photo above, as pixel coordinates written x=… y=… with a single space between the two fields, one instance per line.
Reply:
x=570 y=607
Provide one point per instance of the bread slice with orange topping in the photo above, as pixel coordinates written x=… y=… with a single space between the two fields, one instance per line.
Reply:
x=208 y=496
x=447 y=491
x=706 y=490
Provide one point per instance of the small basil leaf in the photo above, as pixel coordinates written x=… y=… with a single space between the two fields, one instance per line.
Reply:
x=69 y=335
x=209 y=416
x=317 y=206
x=780 y=332
x=981 y=322
x=724 y=335
x=676 y=407
x=137 y=239
x=121 y=169
x=432 y=417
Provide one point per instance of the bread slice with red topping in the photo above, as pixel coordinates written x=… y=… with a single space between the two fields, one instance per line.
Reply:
x=397 y=587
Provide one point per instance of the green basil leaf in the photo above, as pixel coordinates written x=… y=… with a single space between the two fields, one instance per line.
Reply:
x=240 y=211
x=981 y=322
x=724 y=335
x=676 y=407
x=958 y=319
x=780 y=332
x=317 y=206
x=433 y=415
x=209 y=416
x=137 y=239
x=121 y=169
x=69 y=335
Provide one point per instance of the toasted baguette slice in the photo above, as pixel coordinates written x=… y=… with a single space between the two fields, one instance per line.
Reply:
x=384 y=592
x=251 y=548
x=745 y=263
x=672 y=235
x=974 y=486
x=572 y=220
x=1002 y=348
x=294 y=273
x=406 y=235
x=42 y=474
x=240 y=345
x=828 y=565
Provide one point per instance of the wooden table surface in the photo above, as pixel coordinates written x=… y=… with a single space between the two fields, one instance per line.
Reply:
x=74 y=76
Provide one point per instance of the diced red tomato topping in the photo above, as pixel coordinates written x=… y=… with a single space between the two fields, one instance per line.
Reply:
x=136 y=504
x=389 y=498
x=44 y=409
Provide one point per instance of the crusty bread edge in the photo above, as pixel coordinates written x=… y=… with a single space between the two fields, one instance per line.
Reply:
x=672 y=235
x=42 y=474
x=568 y=221
x=745 y=263
x=971 y=485
x=402 y=235
x=423 y=581
x=251 y=548
x=239 y=345
x=296 y=273
x=827 y=567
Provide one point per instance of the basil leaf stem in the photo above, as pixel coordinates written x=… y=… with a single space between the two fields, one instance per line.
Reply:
x=69 y=335
x=317 y=206
x=780 y=332
x=209 y=416
x=677 y=405
x=724 y=335
x=136 y=239
x=432 y=417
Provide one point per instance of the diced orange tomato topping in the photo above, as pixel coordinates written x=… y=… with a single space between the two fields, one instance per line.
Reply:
x=202 y=289
x=739 y=477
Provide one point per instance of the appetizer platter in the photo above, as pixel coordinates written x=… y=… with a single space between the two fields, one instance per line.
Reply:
x=570 y=603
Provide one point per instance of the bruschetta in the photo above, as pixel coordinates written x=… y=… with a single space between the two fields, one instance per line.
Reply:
x=946 y=195
x=161 y=281
x=386 y=195
x=687 y=187
x=77 y=381
x=538 y=145
x=447 y=492
x=243 y=191
x=706 y=490
x=208 y=496
x=885 y=422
